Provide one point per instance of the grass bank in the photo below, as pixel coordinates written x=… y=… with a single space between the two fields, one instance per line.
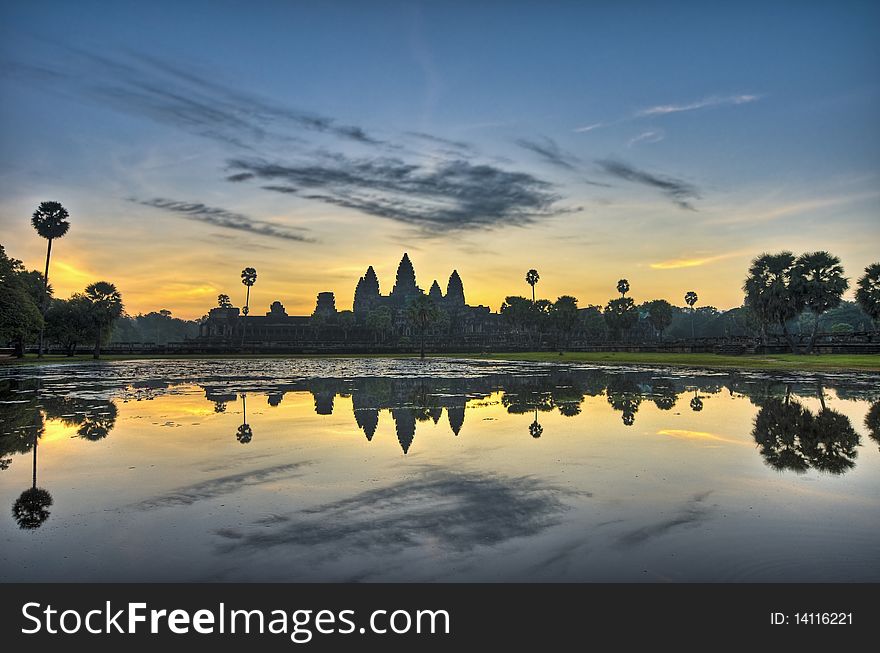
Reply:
x=825 y=362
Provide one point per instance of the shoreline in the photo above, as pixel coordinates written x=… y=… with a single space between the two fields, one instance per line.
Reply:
x=769 y=362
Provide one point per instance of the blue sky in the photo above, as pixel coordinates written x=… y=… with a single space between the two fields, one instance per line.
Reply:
x=665 y=142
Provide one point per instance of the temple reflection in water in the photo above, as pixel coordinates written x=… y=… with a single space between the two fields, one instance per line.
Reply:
x=787 y=435
x=210 y=466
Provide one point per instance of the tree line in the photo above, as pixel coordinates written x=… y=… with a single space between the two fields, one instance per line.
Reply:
x=783 y=293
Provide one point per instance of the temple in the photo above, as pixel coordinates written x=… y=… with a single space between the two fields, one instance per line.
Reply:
x=375 y=319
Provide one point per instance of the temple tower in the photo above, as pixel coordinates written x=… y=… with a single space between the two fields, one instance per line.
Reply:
x=405 y=284
x=326 y=305
x=455 y=290
x=435 y=293
x=366 y=294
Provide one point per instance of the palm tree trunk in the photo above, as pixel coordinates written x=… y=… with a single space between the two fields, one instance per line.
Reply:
x=43 y=302
x=794 y=349
x=422 y=351
x=247 y=310
x=821 y=392
x=692 y=323
x=813 y=336
x=97 y=353
x=533 y=293
x=36 y=436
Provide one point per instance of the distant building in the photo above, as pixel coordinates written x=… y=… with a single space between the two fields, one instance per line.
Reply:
x=458 y=322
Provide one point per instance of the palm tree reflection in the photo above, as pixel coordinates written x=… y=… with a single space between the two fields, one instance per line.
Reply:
x=31 y=509
x=625 y=396
x=790 y=437
x=872 y=421
x=244 y=433
x=696 y=402
x=535 y=429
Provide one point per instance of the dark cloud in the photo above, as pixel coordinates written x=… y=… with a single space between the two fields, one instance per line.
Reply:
x=216 y=487
x=241 y=176
x=453 y=194
x=289 y=190
x=455 y=510
x=229 y=219
x=677 y=190
x=550 y=151
x=600 y=184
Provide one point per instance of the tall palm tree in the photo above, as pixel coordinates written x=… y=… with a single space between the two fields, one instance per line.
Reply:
x=422 y=312
x=690 y=299
x=623 y=287
x=532 y=278
x=105 y=307
x=770 y=292
x=50 y=221
x=818 y=279
x=248 y=278
x=868 y=292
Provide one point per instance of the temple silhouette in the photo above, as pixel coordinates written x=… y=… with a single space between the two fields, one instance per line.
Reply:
x=374 y=318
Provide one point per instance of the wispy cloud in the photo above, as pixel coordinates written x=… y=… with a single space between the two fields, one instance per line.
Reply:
x=588 y=128
x=166 y=93
x=692 y=513
x=221 y=486
x=664 y=109
x=224 y=218
x=549 y=151
x=453 y=194
x=446 y=142
x=765 y=211
x=701 y=436
x=688 y=262
x=680 y=192
x=651 y=136
x=711 y=101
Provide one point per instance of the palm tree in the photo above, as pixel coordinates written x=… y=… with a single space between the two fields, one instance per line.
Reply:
x=105 y=306
x=770 y=292
x=690 y=299
x=223 y=301
x=248 y=278
x=422 y=312
x=50 y=221
x=818 y=279
x=623 y=287
x=868 y=292
x=532 y=278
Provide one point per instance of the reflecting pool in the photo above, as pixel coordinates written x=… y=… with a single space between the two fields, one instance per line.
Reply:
x=443 y=470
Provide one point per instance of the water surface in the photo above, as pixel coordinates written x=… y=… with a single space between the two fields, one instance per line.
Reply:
x=444 y=470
